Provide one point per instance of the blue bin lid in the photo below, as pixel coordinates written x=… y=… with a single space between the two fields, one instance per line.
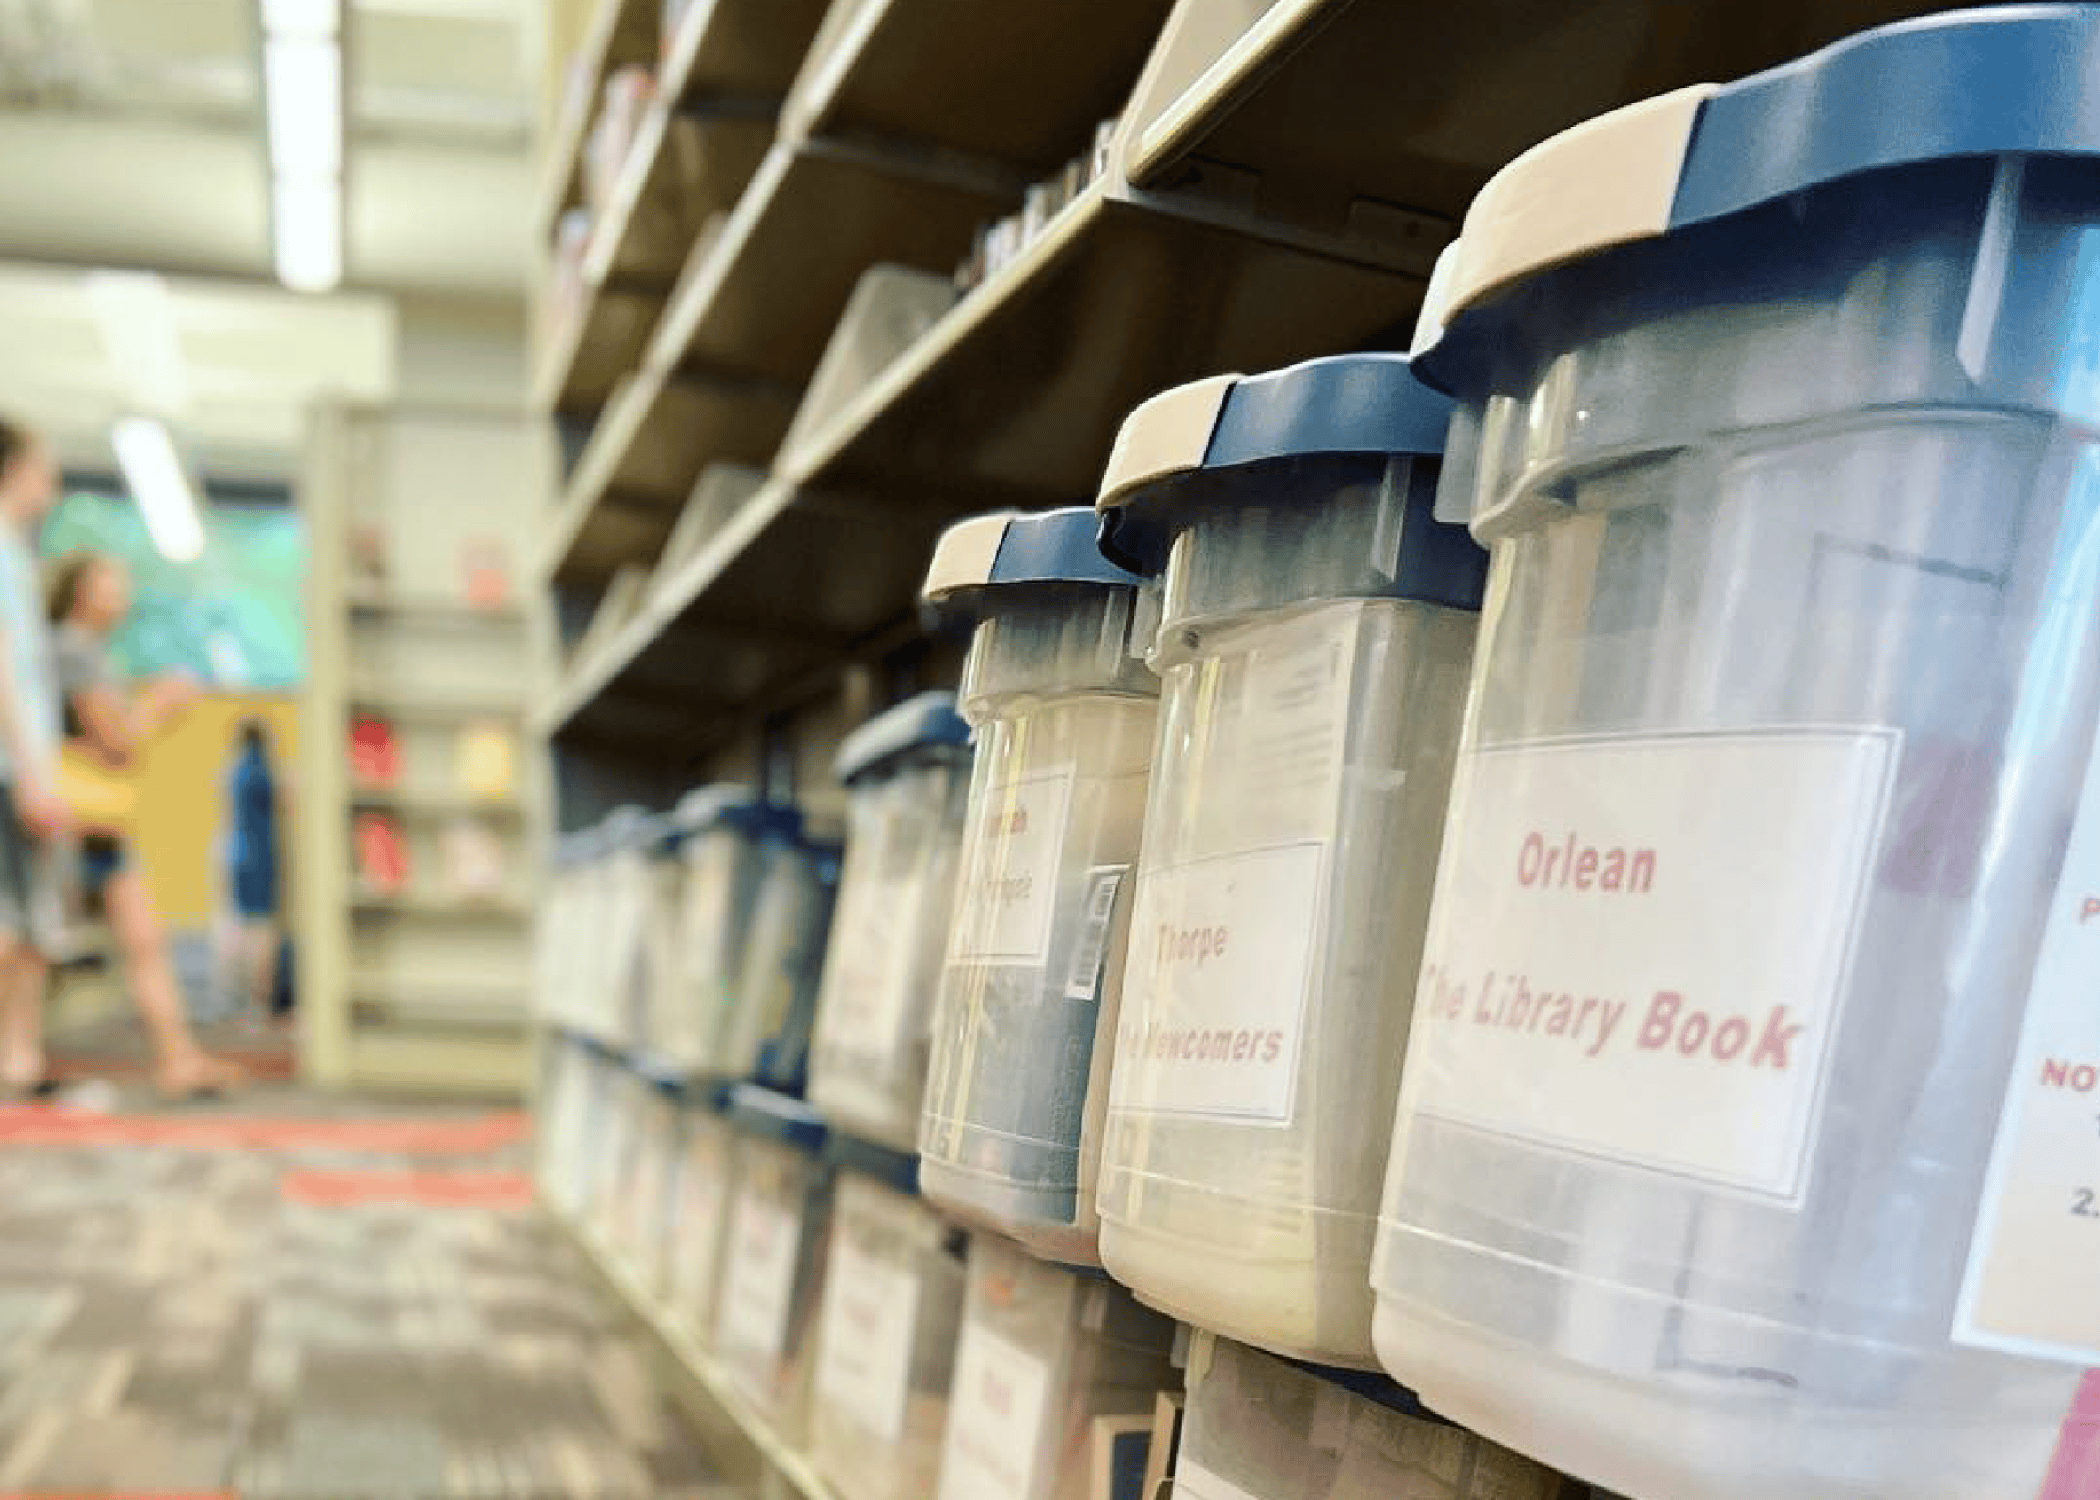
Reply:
x=1010 y=550
x=2011 y=80
x=626 y=827
x=917 y=723
x=776 y=1116
x=893 y=1169
x=727 y=805
x=1194 y=445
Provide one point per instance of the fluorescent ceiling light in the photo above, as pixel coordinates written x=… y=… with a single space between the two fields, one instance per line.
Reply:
x=136 y=318
x=302 y=17
x=303 y=77
x=154 y=474
x=308 y=216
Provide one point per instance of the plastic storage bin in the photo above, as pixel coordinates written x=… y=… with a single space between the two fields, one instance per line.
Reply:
x=1742 y=1151
x=650 y=1203
x=773 y=1259
x=703 y=1192
x=776 y=993
x=622 y=904
x=717 y=834
x=907 y=782
x=1065 y=711
x=1044 y=1351
x=1316 y=626
x=893 y=1300
x=1256 y=1428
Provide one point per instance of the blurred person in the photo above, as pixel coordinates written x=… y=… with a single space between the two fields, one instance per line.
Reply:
x=34 y=819
x=89 y=595
x=250 y=850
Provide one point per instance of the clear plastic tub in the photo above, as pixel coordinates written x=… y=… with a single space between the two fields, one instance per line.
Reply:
x=1065 y=712
x=773 y=1259
x=1256 y=1428
x=703 y=1190
x=1043 y=1353
x=776 y=992
x=893 y=1299
x=564 y=1121
x=717 y=834
x=1774 y=821
x=651 y=1202
x=907 y=783
x=622 y=905
x=1315 y=633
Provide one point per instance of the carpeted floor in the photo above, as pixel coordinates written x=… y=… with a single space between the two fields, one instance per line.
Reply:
x=287 y=1298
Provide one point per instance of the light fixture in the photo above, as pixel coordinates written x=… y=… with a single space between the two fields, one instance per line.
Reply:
x=159 y=486
x=304 y=79
x=308 y=214
x=302 y=17
x=302 y=59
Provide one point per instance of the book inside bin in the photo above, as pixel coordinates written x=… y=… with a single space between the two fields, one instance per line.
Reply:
x=720 y=834
x=776 y=992
x=906 y=773
x=773 y=1258
x=893 y=1299
x=1064 y=710
x=1740 y=1151
x=1316 y=626
x=1256 y=1428
x=1044 y=1351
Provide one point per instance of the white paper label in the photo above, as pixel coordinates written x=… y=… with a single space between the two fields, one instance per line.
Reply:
x=865 y=1002
x=1009 y=892
x=995 y=1419
x=758 y=1287
x=2033 y=1280
x=1639 y=946
x=1221 y=954
x=1194 y=1482
x=871 y=1310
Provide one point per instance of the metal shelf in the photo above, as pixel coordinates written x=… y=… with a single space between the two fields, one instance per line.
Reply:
x=648 y=448
x=680 y=169
x=407 y=708
x=621 y=32
x=432 y=609
x=434 y=804
x=737 y=49
x=1419 y=104
x=1017 y=393
x=499 y=908
x=761 y=298
x=583 y=356
x=1021 y=82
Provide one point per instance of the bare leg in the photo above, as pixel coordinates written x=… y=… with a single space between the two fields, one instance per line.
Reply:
x=259 y=952
x=179 y=1063
x=21 y=1014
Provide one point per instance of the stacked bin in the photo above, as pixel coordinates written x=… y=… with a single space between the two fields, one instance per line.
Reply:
x=702 y=1192
x=622 y=903
x=772 y=1270
x=1741 y=1151
x=1256 y=1428
x=766 y=1036
x=1063 y=707
x=1044 y=1352
x=1316 y=626
x=893 y=1297
x=720 y=834
x=906 y=773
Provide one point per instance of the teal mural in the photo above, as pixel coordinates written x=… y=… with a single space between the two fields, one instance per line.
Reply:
x=233 y=619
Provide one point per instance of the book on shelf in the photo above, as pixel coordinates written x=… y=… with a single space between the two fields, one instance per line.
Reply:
x=375 y=752
x=486 y=757
x=471 y=860
x=485 y=572
x=381 y=852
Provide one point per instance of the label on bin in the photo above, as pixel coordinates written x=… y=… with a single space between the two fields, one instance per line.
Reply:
x=758 y=1286
x=1221 y=955
x=865 y=1000
x=871 y=1308
x=995 y=1418
x=1008 y=892
x=1639 y=946
x=2031 y=1287
x=699 y=1222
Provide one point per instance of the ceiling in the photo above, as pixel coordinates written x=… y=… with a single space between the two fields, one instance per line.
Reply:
x=132 y=134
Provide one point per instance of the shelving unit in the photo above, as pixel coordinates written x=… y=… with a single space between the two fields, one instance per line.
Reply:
x=1279 y=182
x=383 y=969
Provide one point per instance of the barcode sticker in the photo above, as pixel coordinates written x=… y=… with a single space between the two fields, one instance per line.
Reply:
x=1103 y=883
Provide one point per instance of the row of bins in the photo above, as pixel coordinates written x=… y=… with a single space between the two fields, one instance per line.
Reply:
x=1560 y=867
x=908 y=1361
